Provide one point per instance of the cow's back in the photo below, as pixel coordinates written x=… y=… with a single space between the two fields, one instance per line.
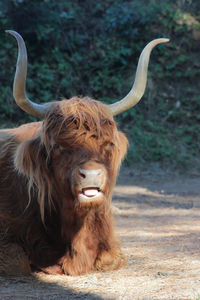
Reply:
x=19 y=134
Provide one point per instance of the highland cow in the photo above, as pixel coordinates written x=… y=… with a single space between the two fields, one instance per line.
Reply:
x=56 y=180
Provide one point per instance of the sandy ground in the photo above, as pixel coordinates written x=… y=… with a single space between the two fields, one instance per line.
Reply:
x=158 y=222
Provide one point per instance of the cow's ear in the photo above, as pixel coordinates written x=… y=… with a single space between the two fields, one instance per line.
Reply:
x=26 y=158
x=123 y=141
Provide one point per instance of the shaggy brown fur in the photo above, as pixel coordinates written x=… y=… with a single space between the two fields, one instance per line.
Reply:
x=42 y=227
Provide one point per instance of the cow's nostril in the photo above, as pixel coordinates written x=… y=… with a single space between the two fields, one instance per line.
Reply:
x=82 y=175
x=99 y=172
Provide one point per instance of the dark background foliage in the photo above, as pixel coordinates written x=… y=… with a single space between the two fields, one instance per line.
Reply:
x=87 y=48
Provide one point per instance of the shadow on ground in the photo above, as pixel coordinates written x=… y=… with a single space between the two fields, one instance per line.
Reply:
x=31 y=287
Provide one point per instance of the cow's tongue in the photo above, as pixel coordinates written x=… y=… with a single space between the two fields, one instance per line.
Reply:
x=90 y=192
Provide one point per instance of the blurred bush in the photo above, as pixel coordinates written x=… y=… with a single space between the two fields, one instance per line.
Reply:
x=81 y=48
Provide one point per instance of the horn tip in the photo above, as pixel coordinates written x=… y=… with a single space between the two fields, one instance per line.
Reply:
x=9 y=31
x=14 y=33
x=158 y=41
x=163 y=40
x=166 y=40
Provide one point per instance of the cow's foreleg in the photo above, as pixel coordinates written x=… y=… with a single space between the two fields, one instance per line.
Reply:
x=109 y=260
x=80 y=258
x=109 y=255
x=79 y=261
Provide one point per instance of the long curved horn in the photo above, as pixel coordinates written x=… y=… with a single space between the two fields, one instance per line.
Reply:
x=19 y=86
x=139 y=85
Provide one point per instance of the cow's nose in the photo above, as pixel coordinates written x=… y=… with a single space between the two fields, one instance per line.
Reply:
x=91 y=177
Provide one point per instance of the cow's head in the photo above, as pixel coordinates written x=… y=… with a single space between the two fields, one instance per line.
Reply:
x=84 y=149
x=77 y=153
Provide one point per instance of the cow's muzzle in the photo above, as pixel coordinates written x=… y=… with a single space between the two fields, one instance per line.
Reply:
x=89 y=183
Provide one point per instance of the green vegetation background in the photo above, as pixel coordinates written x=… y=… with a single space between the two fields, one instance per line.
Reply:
x=92 y=48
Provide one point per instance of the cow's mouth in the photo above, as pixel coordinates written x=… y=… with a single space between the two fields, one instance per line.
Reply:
x=90 y=193
x=91 y=196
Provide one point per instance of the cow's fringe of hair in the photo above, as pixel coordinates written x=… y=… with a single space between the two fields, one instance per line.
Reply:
x=85 y=112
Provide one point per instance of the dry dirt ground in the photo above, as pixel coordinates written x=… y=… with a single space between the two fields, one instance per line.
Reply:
x=158 y=222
